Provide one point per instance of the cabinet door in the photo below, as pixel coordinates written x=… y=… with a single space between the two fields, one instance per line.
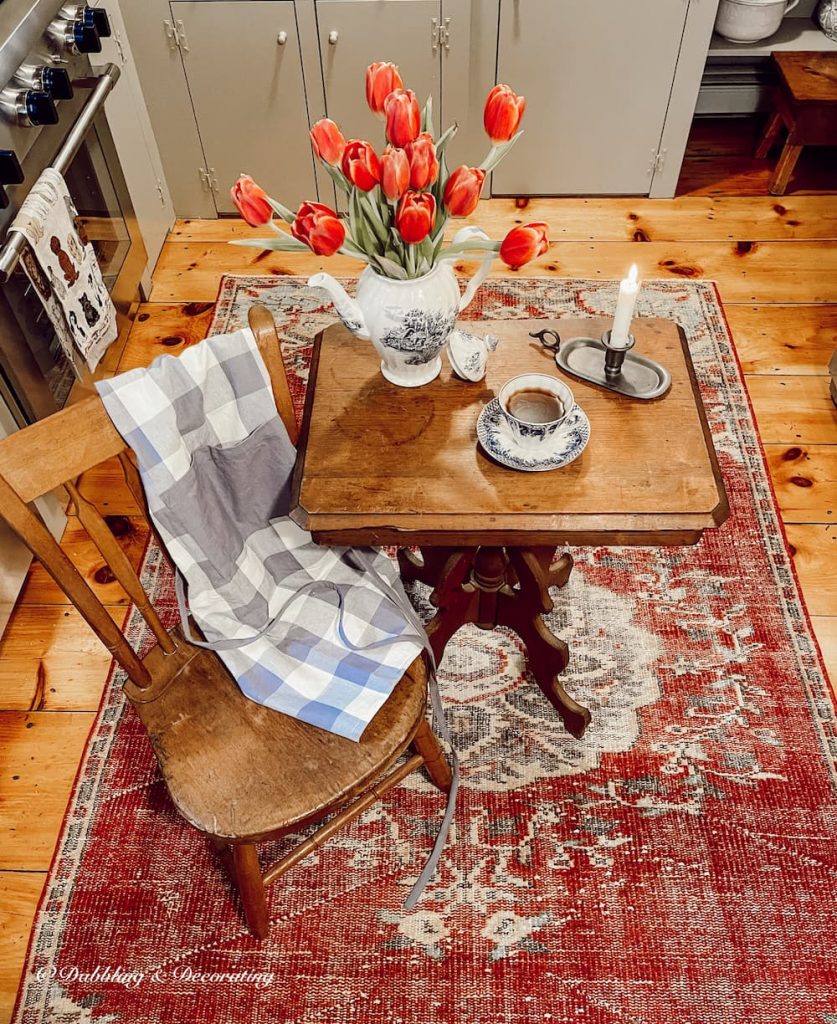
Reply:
x=354 y=34
x=243 y=65
x=597 y=77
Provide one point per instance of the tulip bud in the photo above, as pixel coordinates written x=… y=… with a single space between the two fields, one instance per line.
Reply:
x=523 y=244
x=503 y=111
x=381 y=80
x=320 y=228
x=415 y=216
x=327 y=142
x=403 y=117
x=251 y=202
x=424 y=167
x=462 y=191
x=361 y=165
x=395 y=173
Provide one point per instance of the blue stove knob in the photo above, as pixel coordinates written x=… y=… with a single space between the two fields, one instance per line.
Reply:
x=86 y=38
x=56 y=82
x=11 y=173
x=97 y=17
x=39 y=108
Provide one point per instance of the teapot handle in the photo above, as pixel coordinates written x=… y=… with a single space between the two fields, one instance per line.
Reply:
x=791 y=5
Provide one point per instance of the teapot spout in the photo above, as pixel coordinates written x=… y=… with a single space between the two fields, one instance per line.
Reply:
x=347 y=309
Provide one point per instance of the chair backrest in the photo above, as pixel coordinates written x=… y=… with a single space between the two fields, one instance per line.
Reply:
x=55 y=451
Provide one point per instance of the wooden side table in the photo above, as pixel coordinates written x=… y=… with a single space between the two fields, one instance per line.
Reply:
x=805 y=102
x=385 y=465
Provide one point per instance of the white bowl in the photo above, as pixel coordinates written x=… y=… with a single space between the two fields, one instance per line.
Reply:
x=747 y=21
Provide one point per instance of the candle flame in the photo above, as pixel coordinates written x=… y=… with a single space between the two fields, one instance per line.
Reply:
x=633 y=274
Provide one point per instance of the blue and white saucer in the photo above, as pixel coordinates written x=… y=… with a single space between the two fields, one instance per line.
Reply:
x=497 y=440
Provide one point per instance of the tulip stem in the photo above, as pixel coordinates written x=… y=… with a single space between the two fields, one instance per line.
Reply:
x=497 y=152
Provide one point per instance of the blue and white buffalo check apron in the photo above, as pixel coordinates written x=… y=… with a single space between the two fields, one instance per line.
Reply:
x=303 y=629
x=321 y=634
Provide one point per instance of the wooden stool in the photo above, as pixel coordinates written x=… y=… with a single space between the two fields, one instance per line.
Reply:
x=805 y=101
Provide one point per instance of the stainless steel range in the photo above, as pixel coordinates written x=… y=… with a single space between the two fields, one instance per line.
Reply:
x=51 y=103
x=51 y=115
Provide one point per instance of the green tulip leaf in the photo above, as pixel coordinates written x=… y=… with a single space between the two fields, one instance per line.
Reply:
x=427 y=116
x=390 y=267
x=280 y=243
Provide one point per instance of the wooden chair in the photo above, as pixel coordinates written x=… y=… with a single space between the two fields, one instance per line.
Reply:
x=239 y=772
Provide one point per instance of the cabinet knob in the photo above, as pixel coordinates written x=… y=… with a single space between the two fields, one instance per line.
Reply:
x=333 y=37
x=282 y=38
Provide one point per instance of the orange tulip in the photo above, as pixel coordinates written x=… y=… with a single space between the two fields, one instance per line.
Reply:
x=395 y=173
x=462 y=191
x=503 y=111
x=319 y=227
x=361 y=165
x=523 y=244
x=424 y=167
x=382 y=78
x=251 y=202
x=403 y=117
x=327 y=142
x=415 y=216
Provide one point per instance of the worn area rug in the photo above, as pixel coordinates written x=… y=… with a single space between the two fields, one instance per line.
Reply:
x=677 y=866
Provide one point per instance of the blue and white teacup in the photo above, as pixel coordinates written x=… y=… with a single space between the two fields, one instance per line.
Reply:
x=535 y=406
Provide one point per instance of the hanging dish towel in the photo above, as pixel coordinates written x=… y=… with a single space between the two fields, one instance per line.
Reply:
x=63 y=269
x=303 y=629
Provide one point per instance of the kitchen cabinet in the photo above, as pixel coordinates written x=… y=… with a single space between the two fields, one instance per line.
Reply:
x=355 y=33
x=244 y=72
x=597 y=79
x=234 y=85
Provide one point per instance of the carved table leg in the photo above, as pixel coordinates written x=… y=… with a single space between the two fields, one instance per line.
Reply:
x=445 y=570
x=494 y=586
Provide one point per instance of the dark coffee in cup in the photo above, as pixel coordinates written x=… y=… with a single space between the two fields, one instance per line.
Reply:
x=534 y=405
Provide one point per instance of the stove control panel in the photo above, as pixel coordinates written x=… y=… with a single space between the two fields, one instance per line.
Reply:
x=38 y=91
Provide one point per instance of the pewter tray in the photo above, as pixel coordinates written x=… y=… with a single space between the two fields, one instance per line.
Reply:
x=640 y=377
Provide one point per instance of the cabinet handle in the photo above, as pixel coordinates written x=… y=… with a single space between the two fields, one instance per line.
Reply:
x=282 y=38
x=333 y=37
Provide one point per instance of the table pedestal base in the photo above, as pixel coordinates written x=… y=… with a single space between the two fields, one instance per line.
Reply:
x=500 y=586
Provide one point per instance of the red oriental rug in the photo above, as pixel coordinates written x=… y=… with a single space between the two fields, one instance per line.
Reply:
x=677 y=866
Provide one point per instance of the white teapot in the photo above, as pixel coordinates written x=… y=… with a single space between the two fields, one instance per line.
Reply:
x=408 y=321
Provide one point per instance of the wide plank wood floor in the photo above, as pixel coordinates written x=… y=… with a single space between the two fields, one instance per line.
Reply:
x=775 y=262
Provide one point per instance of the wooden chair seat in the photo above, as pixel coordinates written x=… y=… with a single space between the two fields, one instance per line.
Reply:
x=239 y=771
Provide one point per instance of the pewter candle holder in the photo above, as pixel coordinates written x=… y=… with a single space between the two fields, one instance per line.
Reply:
x=617 y=369
x=615 y=355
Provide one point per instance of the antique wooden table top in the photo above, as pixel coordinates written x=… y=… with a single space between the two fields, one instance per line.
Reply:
x=386 y=465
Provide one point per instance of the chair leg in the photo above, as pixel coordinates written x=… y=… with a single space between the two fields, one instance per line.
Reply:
x=426 y=744
x=248 y=875
x=769 y=135
x=784 y=169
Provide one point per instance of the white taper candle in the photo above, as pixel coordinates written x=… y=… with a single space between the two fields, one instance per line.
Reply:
x=628 y=291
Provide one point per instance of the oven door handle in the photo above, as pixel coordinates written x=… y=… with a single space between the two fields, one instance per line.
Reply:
x=15 y=241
